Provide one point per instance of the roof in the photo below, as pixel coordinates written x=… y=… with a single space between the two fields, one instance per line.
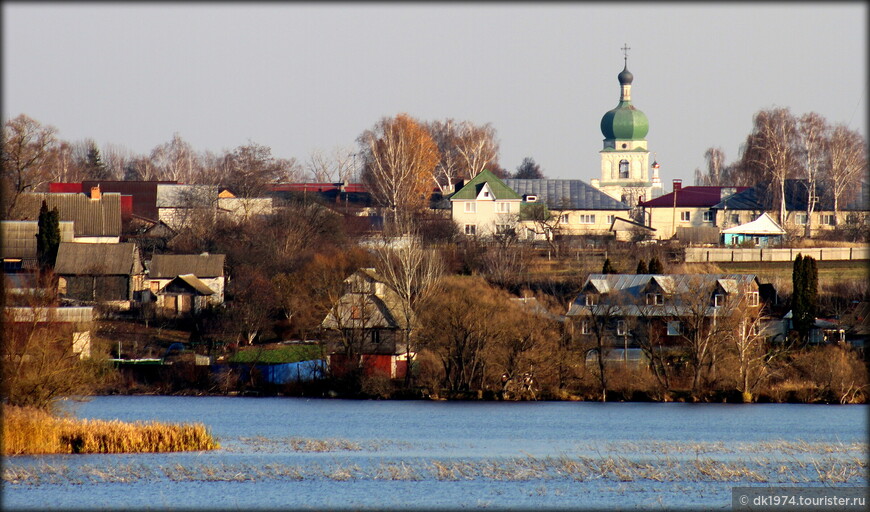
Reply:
x=757 y=198
x=92 y=217
x=170 y=195
x=18 y=237
x=49 y=314
x=763 y=225
x=97 y=259
x=144 y=194
x=190 y=281
x=630 y=225
x=169 y=266
x=566 y=194
x=376 y=306
x=635 y=286
x=498 y=187
x=692 y=196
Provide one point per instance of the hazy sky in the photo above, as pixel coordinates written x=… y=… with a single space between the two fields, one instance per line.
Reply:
x=298 y=76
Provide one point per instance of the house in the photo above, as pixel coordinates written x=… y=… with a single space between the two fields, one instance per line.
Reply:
x=367 y=327
x=533 y=209
x=686 y=210
x=185 y=283
x=636 y=314
x=243 y=207
x=111 y=274
x=627 y=230
x=96 y=219
x=179 y=204
x=762 y=232
x=18 y=242
x=72 y=324
x=750 y=203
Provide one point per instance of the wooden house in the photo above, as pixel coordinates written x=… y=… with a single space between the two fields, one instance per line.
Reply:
x=110 y=274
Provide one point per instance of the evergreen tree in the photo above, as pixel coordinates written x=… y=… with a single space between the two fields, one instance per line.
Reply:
x=655 y=266
x=608 y=267
x=641 y=268
x=94 y=165
x=805 y=292
x=48 y=236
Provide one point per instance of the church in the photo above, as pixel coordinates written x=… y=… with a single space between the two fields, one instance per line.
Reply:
x=487 y=205
x=625 y=168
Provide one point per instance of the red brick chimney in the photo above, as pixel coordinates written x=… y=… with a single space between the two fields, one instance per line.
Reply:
x=678 y=184
x=95 y=192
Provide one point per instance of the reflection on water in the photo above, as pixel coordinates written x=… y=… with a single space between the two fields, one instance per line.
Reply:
x=298 y=453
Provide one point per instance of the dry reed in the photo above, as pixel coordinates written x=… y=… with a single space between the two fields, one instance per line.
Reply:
x=33 y=432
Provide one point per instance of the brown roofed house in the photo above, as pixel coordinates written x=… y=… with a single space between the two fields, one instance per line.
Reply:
x=107 y=273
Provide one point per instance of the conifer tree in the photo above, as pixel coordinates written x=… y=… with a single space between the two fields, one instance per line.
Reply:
x=48 y=236
x=608 y=267
x=805 y=292
x=655 y=266
x=641 y=268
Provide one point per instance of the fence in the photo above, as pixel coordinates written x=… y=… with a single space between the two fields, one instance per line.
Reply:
x=704 y=254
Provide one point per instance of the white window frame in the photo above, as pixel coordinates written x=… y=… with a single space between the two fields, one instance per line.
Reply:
x=470 y=207
x=827 y=219
x=502 y=229
x=655 y=299
x=685 y=216
x=563 y=219
x=585 y=327
x=587 y=218
x=752 y=298
x=591 y=299
x=611 y=218
x=800 y=219
x=718 y=300
x=503 y=207
x=621 y=328
x=709 y=216
x=674 y=328
x=471 y=229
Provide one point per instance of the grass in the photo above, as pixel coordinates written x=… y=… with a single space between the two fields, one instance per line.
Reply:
x=829 y=271
x=29 y=431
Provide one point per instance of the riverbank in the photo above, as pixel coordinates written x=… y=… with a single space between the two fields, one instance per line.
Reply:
x=28 y=431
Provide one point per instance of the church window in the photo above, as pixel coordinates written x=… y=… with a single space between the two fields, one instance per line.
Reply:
x=623 y=168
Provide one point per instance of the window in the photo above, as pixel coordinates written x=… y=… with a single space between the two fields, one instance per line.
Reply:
x=470 y=229
x=735 y=218
x=709 y=216
x=591 y=300
x=800 y=219
x=503 y=207
x=503 y=229
x=674 y=328
x=621 y=329
x=752 y=297
x=470 y=207
x=585 y=327
x=623 y=168
x=828 y=219
x=611 y=218
x=718 y=300
x=654 y=299
x=587 y=219
x=685 y=216
x=486 y=193
x=563 y=219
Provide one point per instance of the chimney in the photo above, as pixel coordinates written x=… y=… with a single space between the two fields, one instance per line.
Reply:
x=95 y=192
x=678 y=184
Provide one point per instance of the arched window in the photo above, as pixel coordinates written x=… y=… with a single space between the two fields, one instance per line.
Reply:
x=623 y=168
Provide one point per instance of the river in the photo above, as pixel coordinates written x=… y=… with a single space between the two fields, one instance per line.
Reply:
x=296 y=453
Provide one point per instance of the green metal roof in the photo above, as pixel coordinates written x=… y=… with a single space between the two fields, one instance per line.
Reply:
x=471 y=189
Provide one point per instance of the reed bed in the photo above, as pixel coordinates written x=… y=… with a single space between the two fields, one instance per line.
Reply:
x=33 y=432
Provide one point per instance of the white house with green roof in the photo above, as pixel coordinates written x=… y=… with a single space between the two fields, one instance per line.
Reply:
x=487 y=205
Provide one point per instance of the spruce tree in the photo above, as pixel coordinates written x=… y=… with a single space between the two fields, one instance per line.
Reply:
x=655 y=266
x=94 y=165
x=48 y=236
x=805 y=293
x=641 y=268
x=608 y=267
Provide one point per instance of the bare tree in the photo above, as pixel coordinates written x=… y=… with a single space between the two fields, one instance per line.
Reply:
x=250 y=169
x=752 y=351
x=812 y=133
x=477 y=146
x=449 y=169
x=848 y=154
x=414 y=272
x=716 y=170
x=336 y=166
x=601 y=318
x=399 y=156
x=26 y=151
x=770 y=150
x=175 y=160
x=117 y=158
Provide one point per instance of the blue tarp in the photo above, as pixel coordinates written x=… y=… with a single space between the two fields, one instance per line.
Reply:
x=283 y=373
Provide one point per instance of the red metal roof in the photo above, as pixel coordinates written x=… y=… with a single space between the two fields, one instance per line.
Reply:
x=691 y=197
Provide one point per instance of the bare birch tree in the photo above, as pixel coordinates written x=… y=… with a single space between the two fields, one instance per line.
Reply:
x=770 y=150
x=812 y=135
x=399 y=156
x=848 y=163
x=337 y=165
x=175 y=160
x=477 y=147
x=716 y=170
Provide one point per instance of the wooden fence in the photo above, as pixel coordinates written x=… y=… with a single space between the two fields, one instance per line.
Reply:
x=704 y=254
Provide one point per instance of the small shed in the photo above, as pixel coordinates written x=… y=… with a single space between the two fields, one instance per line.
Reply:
x=763 y=231
x=183 y=295
x=107 y=273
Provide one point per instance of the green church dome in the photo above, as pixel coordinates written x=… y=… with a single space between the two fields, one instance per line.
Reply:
x=624 y=122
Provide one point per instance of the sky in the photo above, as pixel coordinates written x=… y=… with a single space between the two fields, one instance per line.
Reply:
x=301 y=77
